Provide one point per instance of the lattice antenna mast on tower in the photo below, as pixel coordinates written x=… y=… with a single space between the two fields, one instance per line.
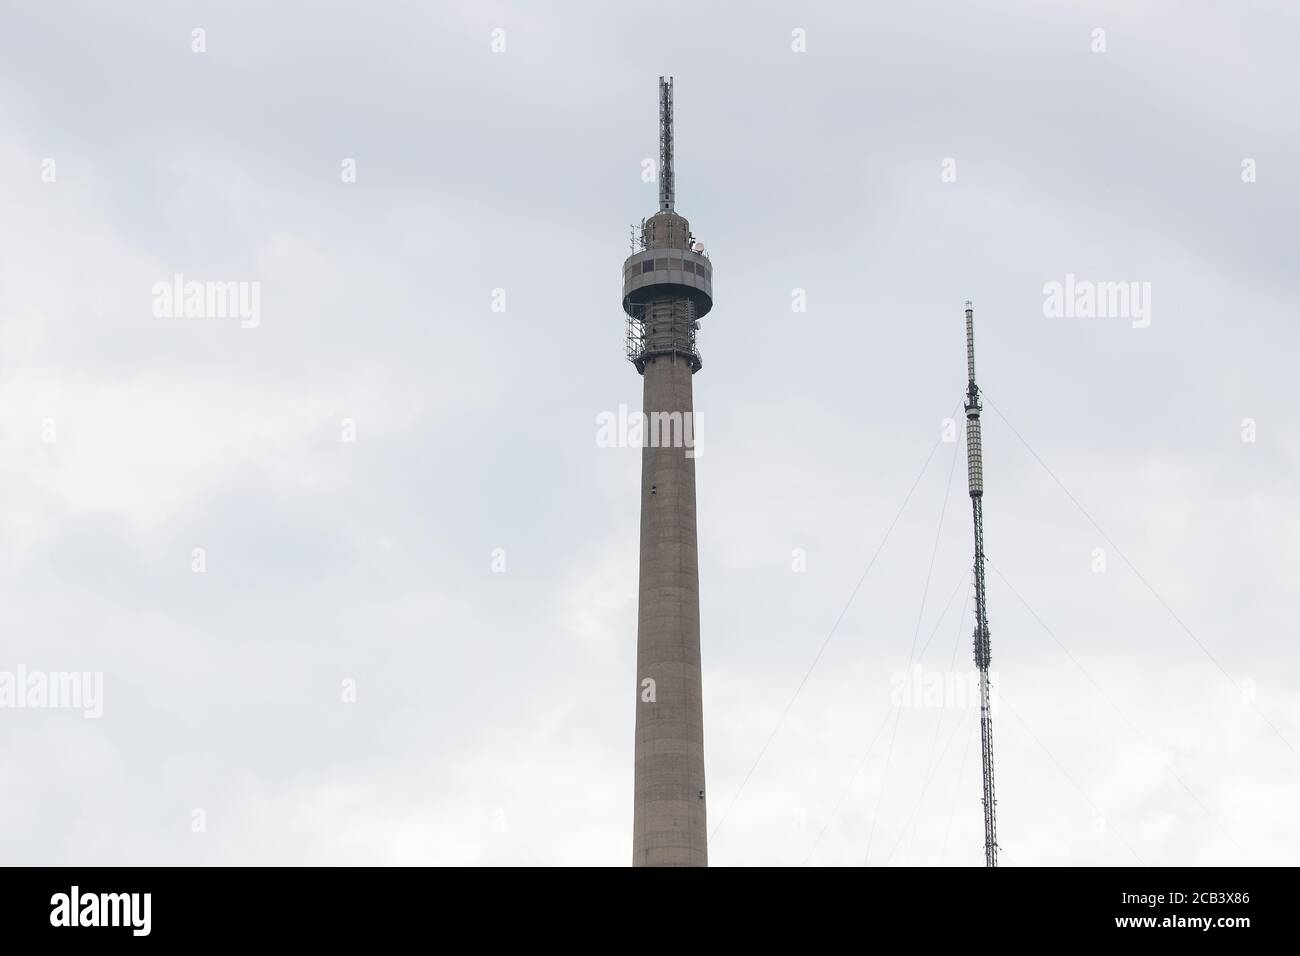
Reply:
x=666 y=197
x=975 y=476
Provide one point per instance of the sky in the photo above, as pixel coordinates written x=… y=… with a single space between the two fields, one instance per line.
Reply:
x=355 y=576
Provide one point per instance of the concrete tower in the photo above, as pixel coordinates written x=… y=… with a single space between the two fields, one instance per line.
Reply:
x=667 y=288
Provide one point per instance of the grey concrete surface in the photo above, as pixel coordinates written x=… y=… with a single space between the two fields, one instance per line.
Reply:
x=669 y=827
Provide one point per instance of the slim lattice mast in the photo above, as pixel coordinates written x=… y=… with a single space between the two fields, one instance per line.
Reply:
x=666 y=197
x=975 y=475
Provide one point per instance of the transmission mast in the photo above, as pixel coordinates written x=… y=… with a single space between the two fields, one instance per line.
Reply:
x=666 y=191
x=975 y=477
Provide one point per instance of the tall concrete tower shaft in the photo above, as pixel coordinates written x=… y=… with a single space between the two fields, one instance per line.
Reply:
x=667 y=288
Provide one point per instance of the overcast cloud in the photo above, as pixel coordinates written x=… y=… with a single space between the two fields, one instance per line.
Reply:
x=1147 y=716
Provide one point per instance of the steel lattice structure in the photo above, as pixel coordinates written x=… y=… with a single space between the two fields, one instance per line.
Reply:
x=983 y=653
x=666 y=196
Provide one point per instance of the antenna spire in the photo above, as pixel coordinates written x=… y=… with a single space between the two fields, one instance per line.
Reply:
x=666 y=197
x=970 y=344
x=975 y=477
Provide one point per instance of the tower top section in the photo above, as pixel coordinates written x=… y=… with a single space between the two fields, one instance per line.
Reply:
x=972 y=390
x=667 y=261
x=668 y=278
x=974 y=444
x=666 y=229
x=666 y=196
x=970 y=345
